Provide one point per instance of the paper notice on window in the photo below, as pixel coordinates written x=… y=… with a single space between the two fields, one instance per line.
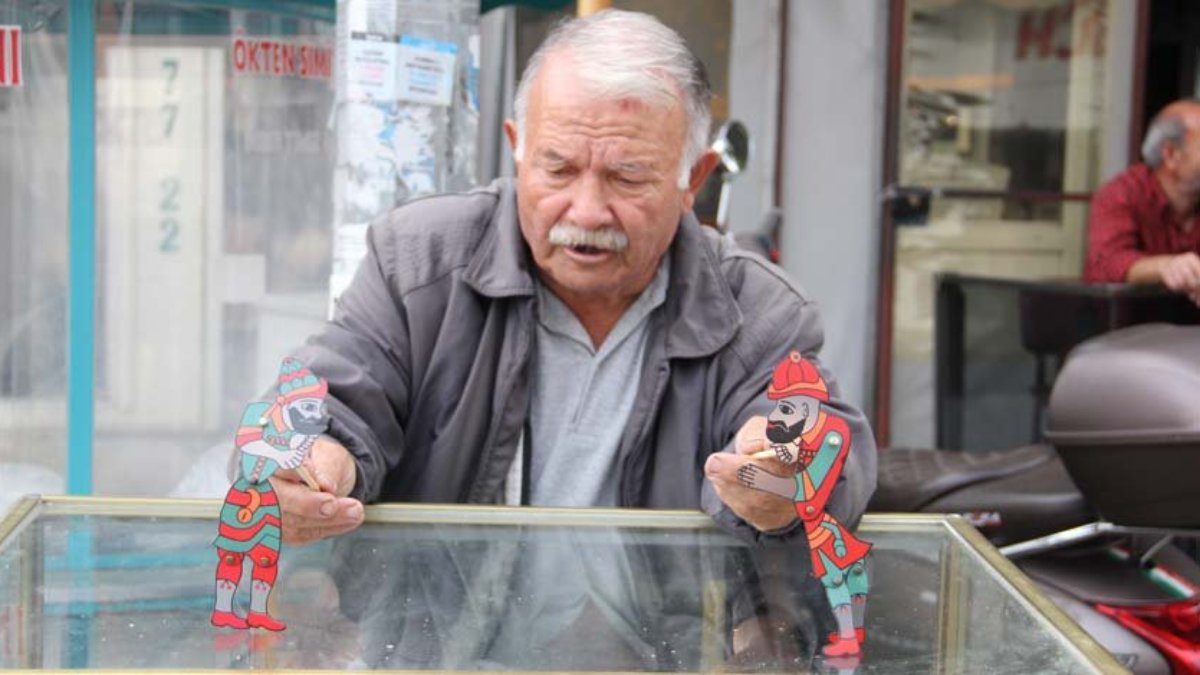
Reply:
x=371 y=63
x=426 y=70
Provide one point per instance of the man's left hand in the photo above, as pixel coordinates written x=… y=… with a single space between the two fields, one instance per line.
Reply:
x=763 y=510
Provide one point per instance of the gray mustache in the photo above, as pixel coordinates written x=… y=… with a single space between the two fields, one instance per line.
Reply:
x=606 y=239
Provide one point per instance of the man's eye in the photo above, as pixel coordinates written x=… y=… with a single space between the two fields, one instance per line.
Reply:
x=786 y=409
x=628 y=182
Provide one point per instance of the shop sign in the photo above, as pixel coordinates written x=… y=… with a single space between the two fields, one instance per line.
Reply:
x=280 y=58
x=10 y=56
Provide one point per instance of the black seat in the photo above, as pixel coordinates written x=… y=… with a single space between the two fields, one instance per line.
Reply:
x=1027 y=489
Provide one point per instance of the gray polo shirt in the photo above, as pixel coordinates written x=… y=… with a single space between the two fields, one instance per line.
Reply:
x=582 y=398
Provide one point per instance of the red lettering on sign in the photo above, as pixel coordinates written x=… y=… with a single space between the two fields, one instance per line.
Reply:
x=239 y=55
x=289 y=59
x=1029 y=35
x=273 y=57
x=10 y=56
x=1049 y=31
x=324 y=59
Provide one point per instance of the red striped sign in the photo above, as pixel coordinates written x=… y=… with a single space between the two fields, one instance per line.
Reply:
x=10 y=56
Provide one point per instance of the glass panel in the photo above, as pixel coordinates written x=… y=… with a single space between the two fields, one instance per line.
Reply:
x=996 y=97
x=136 y=592
x=988 y=609
x=33 y=248
x=214 y=206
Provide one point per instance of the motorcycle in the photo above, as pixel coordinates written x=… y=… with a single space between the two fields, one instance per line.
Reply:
x=1105 y=516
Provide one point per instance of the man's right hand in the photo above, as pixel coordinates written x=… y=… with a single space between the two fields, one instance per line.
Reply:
x=1182 y=273
x=309 y=515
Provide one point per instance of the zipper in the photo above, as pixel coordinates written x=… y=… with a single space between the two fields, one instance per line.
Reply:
x=629 y=491
x=519 y=364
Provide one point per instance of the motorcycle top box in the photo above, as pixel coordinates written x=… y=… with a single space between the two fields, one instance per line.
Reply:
x=1124 y=415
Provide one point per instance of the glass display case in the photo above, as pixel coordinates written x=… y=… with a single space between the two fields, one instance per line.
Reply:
x=128 y=584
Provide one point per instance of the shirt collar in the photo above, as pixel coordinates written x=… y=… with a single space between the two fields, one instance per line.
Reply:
x=1153 y=189
x=554 y=315
x=1158 y=198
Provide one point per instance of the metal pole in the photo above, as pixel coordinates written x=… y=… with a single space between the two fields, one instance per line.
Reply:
x=81 y=80
x=586 y=7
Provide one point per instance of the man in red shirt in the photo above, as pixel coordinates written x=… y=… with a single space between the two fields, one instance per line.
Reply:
x=1143 y=224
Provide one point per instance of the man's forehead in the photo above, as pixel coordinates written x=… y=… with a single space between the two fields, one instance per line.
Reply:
x=559 y=83
x=612 y=157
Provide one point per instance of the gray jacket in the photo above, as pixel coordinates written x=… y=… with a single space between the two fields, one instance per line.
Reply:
x=428 y=359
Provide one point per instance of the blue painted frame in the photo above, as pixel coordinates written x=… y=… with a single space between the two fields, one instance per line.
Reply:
x=81 y=317
x=81 y=320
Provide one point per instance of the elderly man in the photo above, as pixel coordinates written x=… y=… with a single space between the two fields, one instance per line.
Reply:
x=573 y=338
x=1142 y=227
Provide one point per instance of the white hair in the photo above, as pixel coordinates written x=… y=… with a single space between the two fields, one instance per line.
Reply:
x=628 y=55
x=1168 y=128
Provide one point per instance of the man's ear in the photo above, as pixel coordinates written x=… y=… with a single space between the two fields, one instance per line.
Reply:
x=700 y=170
x=1170 y=154
x=510 y=130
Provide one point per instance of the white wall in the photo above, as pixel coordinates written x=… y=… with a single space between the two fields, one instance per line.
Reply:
x=754 y=44
x=833 y=135
x=1118 y=83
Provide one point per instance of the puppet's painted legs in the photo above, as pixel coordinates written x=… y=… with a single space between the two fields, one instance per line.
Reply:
x=858 y=583
x=846 y=641
x=229 y=573
x=266 y=569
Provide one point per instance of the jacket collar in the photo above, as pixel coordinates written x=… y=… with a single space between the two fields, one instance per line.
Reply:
x=501 y=265
x=701 y=313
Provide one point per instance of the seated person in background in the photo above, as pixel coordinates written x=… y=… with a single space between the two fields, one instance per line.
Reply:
x=573 y=337
x=1143 y=223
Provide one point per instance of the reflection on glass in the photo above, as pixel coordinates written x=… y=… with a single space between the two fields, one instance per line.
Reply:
x=1001 y=112
x=33 y=251
x=991 y=93
x=136 y=592
x=214 y=203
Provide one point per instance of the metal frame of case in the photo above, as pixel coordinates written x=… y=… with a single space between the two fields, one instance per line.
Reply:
x=972 y=547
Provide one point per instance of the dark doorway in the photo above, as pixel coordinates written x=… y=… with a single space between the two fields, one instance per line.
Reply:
x=1172 y=55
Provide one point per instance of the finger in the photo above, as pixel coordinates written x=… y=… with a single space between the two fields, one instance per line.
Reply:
x=287 y=474
x=308 y=535
x=1189 y=268
x=723 y=466
x=1191 y=272
x=335 y=465
x=1171 y=276
x=348 y=516
x=752 y=446
x=751 y=438
x=298 y=500
x=323 y=481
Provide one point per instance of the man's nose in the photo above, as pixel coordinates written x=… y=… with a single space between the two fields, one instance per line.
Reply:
x=589 y=204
